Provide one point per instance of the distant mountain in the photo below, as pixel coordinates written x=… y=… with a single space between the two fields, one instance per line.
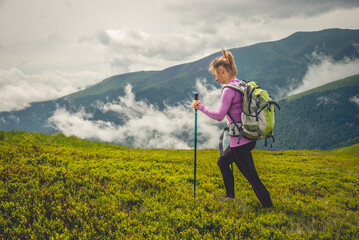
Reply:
x=326 y=117
x=278 y=66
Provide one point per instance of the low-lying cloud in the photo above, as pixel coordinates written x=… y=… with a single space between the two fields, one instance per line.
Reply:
x=355 y=99
x=18 y=90
x=326 y=70
x=145 y=125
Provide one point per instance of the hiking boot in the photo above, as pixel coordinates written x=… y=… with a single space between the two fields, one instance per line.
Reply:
x=229 y=198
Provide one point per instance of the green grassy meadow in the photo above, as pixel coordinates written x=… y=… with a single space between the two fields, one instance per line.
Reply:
x=58 y=187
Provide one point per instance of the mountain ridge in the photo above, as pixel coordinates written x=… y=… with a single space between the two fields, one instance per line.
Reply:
x=321 y=118
x=345 y=82
x=263 y=62
x=277 y=66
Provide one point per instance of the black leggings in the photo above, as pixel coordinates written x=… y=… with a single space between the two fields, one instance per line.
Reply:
x=242 y=156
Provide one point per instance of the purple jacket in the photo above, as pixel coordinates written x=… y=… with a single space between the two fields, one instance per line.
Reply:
x=231 y=101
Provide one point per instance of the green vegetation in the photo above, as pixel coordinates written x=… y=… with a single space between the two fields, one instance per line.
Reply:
x=57 y=187
x=353 y=149
x=352 y=81
x=322 y=118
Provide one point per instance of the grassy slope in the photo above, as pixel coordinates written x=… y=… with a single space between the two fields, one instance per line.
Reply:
x=55 y=186
x=346 y=82
x=306 y=122
x=353 y=150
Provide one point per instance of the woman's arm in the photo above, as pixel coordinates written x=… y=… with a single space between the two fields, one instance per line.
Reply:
x=227 y=97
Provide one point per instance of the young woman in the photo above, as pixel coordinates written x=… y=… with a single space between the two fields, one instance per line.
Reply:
x=224 y=70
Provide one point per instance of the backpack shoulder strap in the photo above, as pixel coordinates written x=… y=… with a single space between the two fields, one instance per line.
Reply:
x=241 y=87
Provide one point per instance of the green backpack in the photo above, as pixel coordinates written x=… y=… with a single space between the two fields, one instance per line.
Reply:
x=257 y=114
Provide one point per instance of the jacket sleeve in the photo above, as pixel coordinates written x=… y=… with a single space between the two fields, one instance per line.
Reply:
x=227 y=97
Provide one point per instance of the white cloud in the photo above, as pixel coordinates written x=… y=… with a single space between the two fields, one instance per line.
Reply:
x=40 y=38
x=127 y=50
x=355 y=99
x=18 y=90
x=148 y=35
x=326 y=70
x=197 y=11
x=192 y=31
x=80 y=125
x=145 y=125
x=330 y=99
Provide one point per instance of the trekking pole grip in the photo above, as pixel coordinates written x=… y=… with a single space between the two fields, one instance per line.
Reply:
x=195 y=96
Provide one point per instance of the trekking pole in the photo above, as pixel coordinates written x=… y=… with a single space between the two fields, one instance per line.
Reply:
x=195 y=145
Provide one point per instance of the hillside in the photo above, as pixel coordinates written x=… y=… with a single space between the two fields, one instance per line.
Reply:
x=322 y=118
x=353 y=150
x=278 y=66
x=57 y=187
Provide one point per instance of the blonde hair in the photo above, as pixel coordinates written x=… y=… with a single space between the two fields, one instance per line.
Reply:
x=227 y=61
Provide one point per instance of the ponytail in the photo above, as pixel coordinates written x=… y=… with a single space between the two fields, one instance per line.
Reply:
x=227 y=61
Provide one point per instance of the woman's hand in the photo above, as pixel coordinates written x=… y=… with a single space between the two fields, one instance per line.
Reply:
x=195 y=104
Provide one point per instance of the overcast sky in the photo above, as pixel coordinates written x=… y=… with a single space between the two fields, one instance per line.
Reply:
x=50 y=48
